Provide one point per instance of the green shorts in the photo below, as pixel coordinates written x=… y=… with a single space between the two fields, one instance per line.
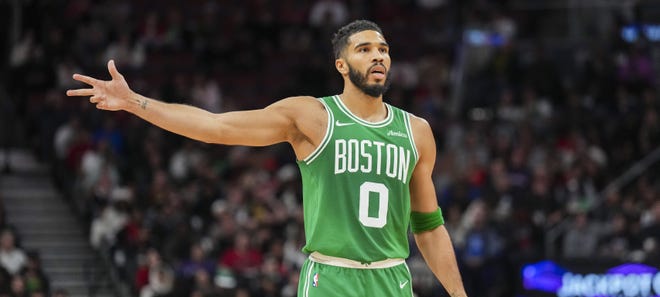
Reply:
x=325 y=280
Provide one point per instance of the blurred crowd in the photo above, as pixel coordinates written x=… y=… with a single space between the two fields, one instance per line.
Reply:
x=532 y=128
x=21 y=273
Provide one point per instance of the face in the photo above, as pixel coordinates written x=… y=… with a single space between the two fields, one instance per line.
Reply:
x=366 y=61
x=7 y=240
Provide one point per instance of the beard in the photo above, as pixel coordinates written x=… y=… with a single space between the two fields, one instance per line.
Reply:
x=359 y=79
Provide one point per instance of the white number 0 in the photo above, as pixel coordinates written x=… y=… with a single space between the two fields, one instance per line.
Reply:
x=383 y=200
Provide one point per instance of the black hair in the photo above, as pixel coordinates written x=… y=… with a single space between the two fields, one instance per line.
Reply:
x=340 y=39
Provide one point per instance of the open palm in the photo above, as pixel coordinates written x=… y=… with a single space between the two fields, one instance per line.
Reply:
x=107 y=95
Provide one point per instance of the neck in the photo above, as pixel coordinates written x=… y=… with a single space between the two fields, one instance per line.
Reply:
x=362 y=105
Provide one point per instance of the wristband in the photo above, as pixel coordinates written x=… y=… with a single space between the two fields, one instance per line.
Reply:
x=425 y=221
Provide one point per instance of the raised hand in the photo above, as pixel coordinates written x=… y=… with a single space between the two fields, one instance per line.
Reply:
x=107 y=95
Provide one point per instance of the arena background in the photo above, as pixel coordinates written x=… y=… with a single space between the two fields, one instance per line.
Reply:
x=545 y=114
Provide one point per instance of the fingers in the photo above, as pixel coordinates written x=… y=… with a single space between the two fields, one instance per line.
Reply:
x=113 y=70
x=102 y=105
x=80 y=92
x=99 y=102
x=86 y=79
x=95 y=82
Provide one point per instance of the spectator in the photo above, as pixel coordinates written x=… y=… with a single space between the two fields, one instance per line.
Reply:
x=202 y=285
x=35 y=278
x=206 y=93
x=105 y=227
x=617 y=242
x=480 y=252
x=153 y=277
x=18 y=288
x=184 y=161
x=12 y=258
x=126 y=52
x=581 y=239
x=197 y=261
x=64 y=70
x=242 y=258
x=161 y=282
x=328 y=13
x=65 y=137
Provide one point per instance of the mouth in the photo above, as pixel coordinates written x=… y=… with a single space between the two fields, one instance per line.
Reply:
x=378 y=71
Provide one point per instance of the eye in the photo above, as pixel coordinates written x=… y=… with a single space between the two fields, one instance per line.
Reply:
x=363 y=49
x=384 y=50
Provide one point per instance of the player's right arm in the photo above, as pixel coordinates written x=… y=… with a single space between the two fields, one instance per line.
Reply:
x=276 y=123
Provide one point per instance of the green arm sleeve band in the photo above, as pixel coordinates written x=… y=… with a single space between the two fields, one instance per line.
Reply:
x=425 y=221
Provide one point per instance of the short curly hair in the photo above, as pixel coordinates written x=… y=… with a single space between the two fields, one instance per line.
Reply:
x=340 y=39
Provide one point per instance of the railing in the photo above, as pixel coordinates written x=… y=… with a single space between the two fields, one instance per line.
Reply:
x=97 y=277
x=633 y=172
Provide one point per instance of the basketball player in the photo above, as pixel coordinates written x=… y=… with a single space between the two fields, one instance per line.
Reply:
x=366 y=169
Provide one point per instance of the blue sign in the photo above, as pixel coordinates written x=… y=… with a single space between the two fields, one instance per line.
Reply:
x=632 y=33
x=478 y=37
x=627 y=280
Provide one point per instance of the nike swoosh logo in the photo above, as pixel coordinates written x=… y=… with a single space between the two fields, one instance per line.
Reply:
x=402 y=284
x=340 y=124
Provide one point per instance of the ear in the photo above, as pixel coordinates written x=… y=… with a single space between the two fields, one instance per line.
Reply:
x=341 y=66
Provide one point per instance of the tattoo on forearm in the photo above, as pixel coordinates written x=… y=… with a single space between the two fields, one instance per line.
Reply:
x=143 y=104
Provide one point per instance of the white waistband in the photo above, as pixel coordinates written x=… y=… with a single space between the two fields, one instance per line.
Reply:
x=347 y=263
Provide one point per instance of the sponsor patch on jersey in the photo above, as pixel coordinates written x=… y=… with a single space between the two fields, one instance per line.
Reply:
x=397 y=133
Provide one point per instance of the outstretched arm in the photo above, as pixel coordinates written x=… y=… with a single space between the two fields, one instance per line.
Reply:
x=435 y=245
x=273 y=124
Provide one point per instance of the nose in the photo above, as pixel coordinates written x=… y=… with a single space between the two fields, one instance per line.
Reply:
x=378 y=57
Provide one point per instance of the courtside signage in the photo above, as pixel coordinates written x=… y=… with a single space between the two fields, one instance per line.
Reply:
x=626 y=280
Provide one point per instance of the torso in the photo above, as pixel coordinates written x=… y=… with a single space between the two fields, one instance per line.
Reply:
x=356 y=183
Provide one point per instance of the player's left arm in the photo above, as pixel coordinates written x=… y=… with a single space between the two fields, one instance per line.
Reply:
x=434 y=243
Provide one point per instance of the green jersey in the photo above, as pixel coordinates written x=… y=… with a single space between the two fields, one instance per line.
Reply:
x=356 y=186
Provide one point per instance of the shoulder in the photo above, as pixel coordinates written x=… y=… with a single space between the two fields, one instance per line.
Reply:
x=298 y=104
x=420 y=126
x=306 y=113
x=308 y=119
x=422 y=134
